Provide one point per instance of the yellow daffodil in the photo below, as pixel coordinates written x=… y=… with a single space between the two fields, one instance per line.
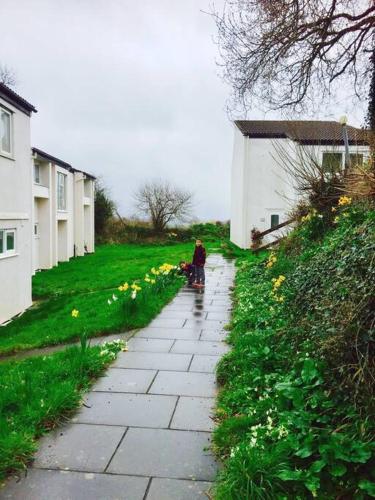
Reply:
x=152 y=281
x=75 y=313
x=344 y=200
x=271 y=260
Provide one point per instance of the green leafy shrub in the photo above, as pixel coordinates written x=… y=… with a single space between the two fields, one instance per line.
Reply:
x=297 y=410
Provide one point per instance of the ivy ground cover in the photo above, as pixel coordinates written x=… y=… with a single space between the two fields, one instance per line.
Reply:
x=296 y=413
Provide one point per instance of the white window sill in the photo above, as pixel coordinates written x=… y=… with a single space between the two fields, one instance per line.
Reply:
x=7 y=156
x=8 y=255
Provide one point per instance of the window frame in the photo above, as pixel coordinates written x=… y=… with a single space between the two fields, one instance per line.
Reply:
x=3 y=152
x=331 y=170
x=37 y=168
x=61 y=208
x=8 y=252
x=352 y=157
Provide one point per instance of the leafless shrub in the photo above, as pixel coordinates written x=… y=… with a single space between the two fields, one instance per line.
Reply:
x=315 y=185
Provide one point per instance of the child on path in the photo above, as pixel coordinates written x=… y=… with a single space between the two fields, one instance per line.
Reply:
x=199 y=260
x=187 y=270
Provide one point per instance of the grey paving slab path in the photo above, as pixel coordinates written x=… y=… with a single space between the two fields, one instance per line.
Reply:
x=144 y=431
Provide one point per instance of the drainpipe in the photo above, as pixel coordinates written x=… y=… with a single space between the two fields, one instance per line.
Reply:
x=343 y=121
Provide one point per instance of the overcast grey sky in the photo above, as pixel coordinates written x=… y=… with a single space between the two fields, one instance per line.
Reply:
x=128 y=90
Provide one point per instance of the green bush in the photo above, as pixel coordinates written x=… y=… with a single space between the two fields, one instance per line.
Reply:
x=297 y=408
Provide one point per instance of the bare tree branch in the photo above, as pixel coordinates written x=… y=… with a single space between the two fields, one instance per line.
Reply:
x=7 y=76
x=282 y=54
x=163 y=203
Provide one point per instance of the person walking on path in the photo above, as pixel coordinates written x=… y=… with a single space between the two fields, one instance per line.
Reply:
x=199 y=260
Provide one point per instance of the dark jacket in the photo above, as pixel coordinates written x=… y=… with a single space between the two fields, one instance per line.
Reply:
x=199 y=258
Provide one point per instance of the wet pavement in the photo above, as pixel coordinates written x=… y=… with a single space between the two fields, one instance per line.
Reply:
x=144 y=431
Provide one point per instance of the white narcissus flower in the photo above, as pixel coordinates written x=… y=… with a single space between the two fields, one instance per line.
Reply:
x=109 y=302
x=114 y=297
x=134 y=294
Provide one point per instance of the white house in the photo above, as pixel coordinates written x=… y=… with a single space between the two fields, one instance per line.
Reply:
x=15 y=204
x=63 y=211
x=262 y=193
x=46 y=207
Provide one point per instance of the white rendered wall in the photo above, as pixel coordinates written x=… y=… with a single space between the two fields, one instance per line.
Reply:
x=79 y=219
x=261 y=187
x=238 y=216
x=62 y=231
x=15 y=212
x=89 y=215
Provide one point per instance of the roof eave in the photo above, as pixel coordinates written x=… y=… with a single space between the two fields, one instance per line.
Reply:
x=60 y=163
x=15 y=100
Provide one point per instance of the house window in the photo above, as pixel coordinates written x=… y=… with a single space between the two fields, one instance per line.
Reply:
x=61 y=191
x=7 y=242
x=275 y=220
x=332 y=162
x=5 y=132
x=356 y=159
x=36 y=229
x=36 y=173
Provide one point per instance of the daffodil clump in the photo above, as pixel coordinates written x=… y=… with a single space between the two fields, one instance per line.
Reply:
x=272 y=259
x=344 y=200
x=156 y=279
x=343 y=203
x=311 y=215
x=110 y=349
x=276 y=284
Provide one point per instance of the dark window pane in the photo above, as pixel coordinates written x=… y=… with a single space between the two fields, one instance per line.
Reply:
x=10 y=241
x=275 y=220
x=332 y=162
x=1 y=241
x=356 y=159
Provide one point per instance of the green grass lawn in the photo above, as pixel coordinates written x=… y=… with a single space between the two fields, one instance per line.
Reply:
x=109 y=266
x=35 y=394
x=86 y=283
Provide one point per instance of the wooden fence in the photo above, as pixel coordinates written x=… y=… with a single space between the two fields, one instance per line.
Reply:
x=257 y=239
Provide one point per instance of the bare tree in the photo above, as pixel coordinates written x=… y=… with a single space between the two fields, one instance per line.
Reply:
x=7 y=76
x=289 y=53
x=163 y=203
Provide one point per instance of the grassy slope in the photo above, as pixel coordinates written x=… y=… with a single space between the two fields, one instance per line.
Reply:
x=86 y=284
x=295 y=415
x=35 y=394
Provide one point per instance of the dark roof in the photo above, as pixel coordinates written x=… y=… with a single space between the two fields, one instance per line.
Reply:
x=59 y=162
x=16 y=100
x=302 y=131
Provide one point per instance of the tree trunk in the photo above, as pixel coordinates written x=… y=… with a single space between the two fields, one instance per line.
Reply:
x=370 y=119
